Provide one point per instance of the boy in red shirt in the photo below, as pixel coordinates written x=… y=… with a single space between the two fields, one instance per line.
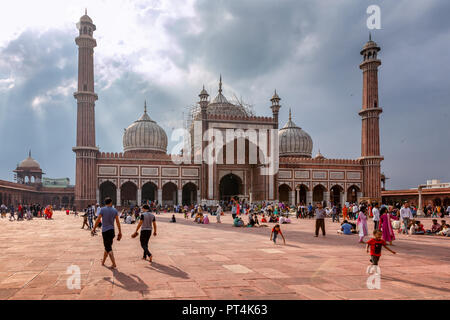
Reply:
x=375 y=245
x=275 y=231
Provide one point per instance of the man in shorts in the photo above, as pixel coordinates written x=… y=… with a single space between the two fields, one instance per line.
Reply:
x=107 y=216
x=147 y=223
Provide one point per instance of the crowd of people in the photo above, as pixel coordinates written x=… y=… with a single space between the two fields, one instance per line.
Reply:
x=23 y=212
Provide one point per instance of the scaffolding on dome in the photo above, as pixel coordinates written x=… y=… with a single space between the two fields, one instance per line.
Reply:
x=194 y=110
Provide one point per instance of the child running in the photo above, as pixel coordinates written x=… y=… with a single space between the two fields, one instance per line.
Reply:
x=375 y=245
x=275 y=231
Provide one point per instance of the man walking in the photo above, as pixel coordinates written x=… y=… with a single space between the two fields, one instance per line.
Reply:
x=147 y=221
x=376 y=217
x=405 y=215
x=108 y=215
x=320 y=219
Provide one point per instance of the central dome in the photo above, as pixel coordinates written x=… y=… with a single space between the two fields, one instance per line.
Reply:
x=222 y=107
x=294 y=142
x=145 y=135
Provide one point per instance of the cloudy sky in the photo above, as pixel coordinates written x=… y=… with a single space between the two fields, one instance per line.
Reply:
x=164 y=51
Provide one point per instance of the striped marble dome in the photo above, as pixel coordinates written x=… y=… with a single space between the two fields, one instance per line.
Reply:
x=294 y=142
x=145 y=135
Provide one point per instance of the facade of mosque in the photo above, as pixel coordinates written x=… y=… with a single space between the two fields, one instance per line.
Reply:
x=145 y=171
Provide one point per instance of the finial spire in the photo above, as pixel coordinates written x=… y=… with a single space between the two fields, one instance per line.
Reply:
x=220 y=85
x=29 y=153
x=370 y=36
x=85 y=11
x=290 y=114
x=145 y=106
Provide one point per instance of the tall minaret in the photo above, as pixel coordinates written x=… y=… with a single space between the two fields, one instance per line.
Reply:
x=86 y=150
x=370 y=113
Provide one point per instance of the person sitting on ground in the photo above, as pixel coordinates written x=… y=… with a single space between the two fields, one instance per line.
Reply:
x=443 y=224
x=237 y=222
x=435 y=227
x=445 y=231
x=255 y=218
x=417 y=228
x=263 y=220
x=205 y=219
x=346 y=228
x=251 y=221
x=173 y=220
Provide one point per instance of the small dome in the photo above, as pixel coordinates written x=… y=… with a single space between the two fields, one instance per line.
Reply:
x=29 y=163
x=145 y=135
x=319 y=156
x=85 y=18
x=370 y=45
x=293 y=141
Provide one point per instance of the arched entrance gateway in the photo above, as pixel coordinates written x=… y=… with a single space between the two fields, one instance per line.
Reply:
x=283 y=193
x=318 y=193
x=108 y=190
x=230 y=186
x=149 y=192
x=189 y=194
x=128 y=194
x=335 y=194
x=352 y=194
x=170 y=194
x=302 y=194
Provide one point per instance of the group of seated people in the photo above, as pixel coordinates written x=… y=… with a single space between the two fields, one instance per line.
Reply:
x=253 y=221
x=201 y=218
x=416 y=228
x=273 y=218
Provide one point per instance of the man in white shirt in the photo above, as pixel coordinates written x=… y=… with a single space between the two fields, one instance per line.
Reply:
x=376 y=216
x=405 y=215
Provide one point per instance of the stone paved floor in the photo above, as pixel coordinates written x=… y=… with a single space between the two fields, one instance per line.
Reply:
x=214 y=261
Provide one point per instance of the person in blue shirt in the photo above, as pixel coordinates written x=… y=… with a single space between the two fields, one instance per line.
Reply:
x=346 y=228
x=107 y=216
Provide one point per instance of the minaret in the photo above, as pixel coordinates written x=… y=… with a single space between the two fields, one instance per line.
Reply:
x=204 y=117
x=275 y=107
x=86 y=150
x=370 y=113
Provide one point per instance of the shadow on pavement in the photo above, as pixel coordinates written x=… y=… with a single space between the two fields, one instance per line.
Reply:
x=169 y=270
x=130 y=283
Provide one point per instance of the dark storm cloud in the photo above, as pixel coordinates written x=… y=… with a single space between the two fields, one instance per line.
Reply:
x=241 y=38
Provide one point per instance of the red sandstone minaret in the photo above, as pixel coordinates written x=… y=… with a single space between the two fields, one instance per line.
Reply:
x=370 y=113
x=86 y=150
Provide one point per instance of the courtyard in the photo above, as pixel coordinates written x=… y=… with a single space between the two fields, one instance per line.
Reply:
x=215 y=261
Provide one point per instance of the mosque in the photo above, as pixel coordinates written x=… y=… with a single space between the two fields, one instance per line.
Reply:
x=145 y=171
